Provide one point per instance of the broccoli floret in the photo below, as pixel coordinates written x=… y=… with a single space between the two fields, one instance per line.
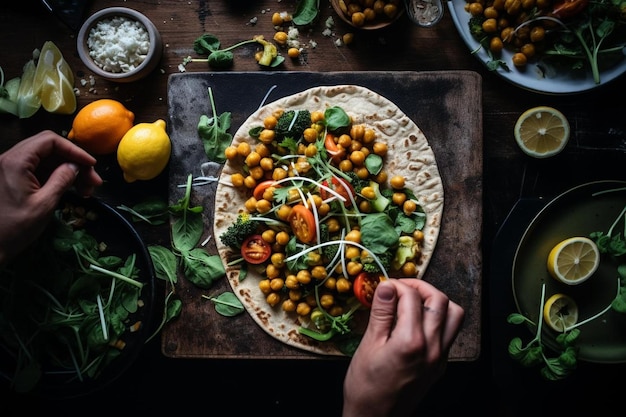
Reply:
x=292 y=123
x=369 y=265
x=357 y=183
x=476 y=27
x=328 y=251
x=239 y=231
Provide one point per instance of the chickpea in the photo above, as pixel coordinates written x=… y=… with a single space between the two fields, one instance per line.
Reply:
x=357 y=132
x=354 y=268
x=252 y=159
x=230 y=152
x=490 y=12
x=310 y=134
x=354 y=235
x=327 y=300
x=273 y=299
x=343 y=285
x=303 y=309
x=519 y=59
x=490 y=25
x=365 y=206
x=257 y=173
x=333 y=225
x=277 y=19
x=346 y=165
x=369 y=136
x=289 y=305
x=323 y=209
x=409 y=207
x=380 y=148
x=282 y=238
x=348 y=38
x=358 y=157
x=250 y=204
x=390 y=10
x=279 y=174
x=358 y=19
x=418 y=236
x=243 y=149
x=335 y=310
x=397 y=182
x=303 y=276
x=496 y=45
x=268 y=235
x=267 y=136
x=475 y=9
x=507 y=34
x=262 y=150
x=368 y=192
x=381 y=177
x=237 y=179
x=318 y=272
x=266 y=164
x=317 y=116
x=352 y=252
x=277 y=284
x=292 y=283
x=264 y=286
x=272 y=273
x=330 y=283
x=528 y=49
x=278 y=259
x=280 y=38
x=409 y=269
x=362 y=172
x=344 y=141
x=537 y=34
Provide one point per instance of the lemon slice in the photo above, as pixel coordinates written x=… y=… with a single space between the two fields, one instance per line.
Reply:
x=573 y=260
x=560 y=312
x=542 y=131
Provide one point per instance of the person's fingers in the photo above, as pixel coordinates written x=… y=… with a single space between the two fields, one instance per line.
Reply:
x=454 y=321
x=59 y=181
x=383 y=312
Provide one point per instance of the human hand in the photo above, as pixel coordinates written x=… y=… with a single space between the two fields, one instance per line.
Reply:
x=404 y=349
x=34 y=174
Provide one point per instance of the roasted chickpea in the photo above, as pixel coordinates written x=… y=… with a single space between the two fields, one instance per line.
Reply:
x=269 y=235
x=257 y=173
x=398 y=199
x=279 y=174
x=528 y=49
x=282 y=238
x=358 y=19
x=289 y=305
x=327 y=300
x=369 y=136
x=537 y=34
x=333 y=225
x=409 y=207
x=519 y=59
x=346 y=165
x=310 y=134
x=243 y=149
x=330 y=283
x=253 y=159
x=303 y=276
x=317 y=116
x=272 y=273
x=490 y=25
x=343 y=285
x=292 y=283
x=368 y=192
x=490 y=12
x=496 y=45
x=237 y=179
x=345 y=141
x=264 y=286
x=354 y=235
x=267 y=164
x=358 y=157
x=262 y=150
x=354 y=268
x=397 y=182
x=475 y=9
x=380 y=148
x=278 y=259
x=272 y=299
x=362 y=172
x=230 y=152
x=303 y=309
x=357 y=132
x=293 y=52
x=250 y=204
x=352 y=252
x=318 y=272
x=267 y=136
x=418 y=236
x=409 y=269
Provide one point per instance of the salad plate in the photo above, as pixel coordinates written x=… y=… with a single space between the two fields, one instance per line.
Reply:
x=533 y=77
x=580 y=211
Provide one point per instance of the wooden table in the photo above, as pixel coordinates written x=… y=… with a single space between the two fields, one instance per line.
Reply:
x=595 y=150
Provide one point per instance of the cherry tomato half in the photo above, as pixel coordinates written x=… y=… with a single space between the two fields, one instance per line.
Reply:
x=261 y=187
x=364 y=286
x=341 y=187
x=302 y=223
x=335 y=153
x=255 y=250
x=569 y=8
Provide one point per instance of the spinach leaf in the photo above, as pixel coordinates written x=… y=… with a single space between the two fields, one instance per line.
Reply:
x=378 y=232
x=227 y=304
x=165 y=263
x=201 y=268
x=214 y=133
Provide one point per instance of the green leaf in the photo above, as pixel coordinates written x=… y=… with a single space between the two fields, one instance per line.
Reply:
x=165 y=263
x=306 y=12
x=186 y=232
x=227 y=304
x=201 y=268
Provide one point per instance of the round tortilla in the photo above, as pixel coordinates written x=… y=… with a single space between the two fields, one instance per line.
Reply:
x=409 y=154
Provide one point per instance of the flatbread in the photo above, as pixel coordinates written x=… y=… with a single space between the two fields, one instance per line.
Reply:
x=409 y=154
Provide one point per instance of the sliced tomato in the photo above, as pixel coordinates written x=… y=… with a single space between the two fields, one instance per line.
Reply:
x=255 y=250
x=336 y=154
x=261 y=187
x=341 y=187
x=364 y=286
x=302 y=223
x=569 y=8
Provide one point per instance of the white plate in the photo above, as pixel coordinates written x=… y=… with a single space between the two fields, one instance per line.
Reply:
x=532 y=78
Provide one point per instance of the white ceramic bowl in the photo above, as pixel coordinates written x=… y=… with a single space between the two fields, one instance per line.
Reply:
x=127 y=68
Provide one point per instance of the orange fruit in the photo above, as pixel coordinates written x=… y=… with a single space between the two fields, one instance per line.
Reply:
x=100 y=126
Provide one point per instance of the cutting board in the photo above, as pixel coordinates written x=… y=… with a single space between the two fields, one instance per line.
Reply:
x=446 y=105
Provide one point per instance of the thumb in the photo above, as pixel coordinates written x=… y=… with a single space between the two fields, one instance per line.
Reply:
x=61 y=179
x=383 y=311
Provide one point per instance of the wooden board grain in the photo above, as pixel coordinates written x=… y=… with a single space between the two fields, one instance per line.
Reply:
x=446 y=105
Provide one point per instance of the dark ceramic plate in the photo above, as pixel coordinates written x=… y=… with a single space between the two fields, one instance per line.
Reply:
x=577 y=212
x=121 y=240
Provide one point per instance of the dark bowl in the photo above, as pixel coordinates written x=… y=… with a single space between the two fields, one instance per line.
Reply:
x=121 y=240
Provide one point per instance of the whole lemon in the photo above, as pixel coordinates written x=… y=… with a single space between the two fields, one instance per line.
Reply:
x=144 y=151
x=100 y=125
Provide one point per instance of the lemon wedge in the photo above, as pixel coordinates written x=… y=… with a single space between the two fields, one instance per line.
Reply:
x=54 y=81
x=28 y=100
x=560 y=312
x=573 y=260
x=542 y=131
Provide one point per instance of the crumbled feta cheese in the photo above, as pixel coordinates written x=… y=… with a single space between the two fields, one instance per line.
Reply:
x=118 y=44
